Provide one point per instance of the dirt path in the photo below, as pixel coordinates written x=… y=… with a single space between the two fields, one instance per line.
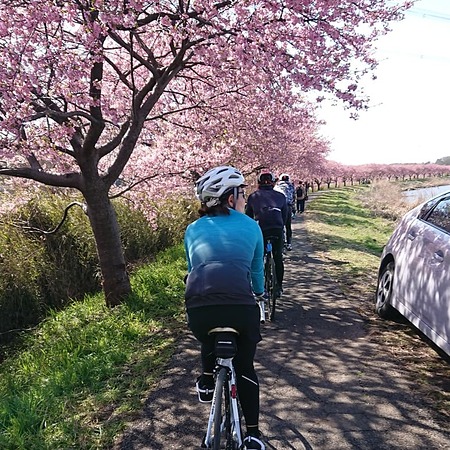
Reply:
x=324 y=384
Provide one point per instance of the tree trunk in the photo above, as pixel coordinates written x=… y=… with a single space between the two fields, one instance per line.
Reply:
x=103 y=219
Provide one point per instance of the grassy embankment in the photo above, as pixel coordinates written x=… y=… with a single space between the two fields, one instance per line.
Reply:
x=85 y=370
x=349 y=228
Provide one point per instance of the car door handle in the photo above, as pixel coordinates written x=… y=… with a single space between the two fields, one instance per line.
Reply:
x=412 y=236
x=438 y=256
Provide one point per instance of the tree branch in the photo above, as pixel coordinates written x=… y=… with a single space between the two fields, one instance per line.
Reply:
x=83 y=206
x=72 y=180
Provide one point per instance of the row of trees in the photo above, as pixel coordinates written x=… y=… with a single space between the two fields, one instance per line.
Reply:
x=334 y=173
x=155 y=92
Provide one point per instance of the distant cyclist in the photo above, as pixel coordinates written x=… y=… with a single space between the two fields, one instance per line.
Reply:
x=287 y=188
x=301 y=194
x=269 y=208
x=224 y=250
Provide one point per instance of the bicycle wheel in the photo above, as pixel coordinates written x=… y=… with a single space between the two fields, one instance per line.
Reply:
x=273 y=293
x=234 y=436
x=229 y=443
x=268 y=285
x=219 y=407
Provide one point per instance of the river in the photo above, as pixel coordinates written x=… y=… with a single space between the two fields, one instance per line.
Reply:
x=424 y=194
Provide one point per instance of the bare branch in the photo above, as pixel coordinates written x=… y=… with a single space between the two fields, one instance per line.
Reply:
x=83 y=206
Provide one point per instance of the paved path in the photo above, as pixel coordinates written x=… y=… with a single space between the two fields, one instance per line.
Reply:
x=324 y=384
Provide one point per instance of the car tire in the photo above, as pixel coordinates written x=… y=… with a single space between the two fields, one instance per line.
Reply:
x=383 y=294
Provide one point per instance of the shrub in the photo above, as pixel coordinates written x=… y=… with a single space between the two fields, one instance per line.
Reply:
x=384 y=199
x=41 y=271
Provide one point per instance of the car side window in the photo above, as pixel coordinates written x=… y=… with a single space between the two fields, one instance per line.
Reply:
x=426 y=209
x=440 y=215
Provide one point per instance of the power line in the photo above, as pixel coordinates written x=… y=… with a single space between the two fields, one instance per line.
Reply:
x=428 y=14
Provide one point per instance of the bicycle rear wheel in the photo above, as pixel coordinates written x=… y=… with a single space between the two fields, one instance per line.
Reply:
x=219 y=407
x=273 y=293
x=268 y=285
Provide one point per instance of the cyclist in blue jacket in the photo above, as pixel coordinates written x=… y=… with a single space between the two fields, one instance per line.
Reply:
x=224 y=250
x=269 y=208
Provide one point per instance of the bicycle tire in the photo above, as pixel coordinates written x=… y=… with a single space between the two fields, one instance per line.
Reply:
x=268 y=285
x=233 y=442
x=219 y=398
x=274 y=290
x=229 y=445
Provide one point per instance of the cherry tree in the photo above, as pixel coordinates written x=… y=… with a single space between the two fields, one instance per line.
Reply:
x=388 y=171
x=249 y=131
x=84 y=83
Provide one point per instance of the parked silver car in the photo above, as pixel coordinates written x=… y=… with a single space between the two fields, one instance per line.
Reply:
x=414 y=274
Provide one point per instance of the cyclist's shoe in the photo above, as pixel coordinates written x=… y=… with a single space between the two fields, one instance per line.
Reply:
x=253 y=443
x=279 y=292
x=205 y=388
x=289 y=247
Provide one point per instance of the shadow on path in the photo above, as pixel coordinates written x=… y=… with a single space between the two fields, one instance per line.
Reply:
x=324 y=384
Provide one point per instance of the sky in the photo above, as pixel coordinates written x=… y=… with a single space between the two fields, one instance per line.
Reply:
x=409 y=120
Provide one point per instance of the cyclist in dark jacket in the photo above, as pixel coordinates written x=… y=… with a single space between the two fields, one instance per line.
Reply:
x=224 y=250
x=269 y=208
x=287 y=188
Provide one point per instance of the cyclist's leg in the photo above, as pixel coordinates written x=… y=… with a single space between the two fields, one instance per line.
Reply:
x=247 y=380
x=248 y=389
x=265 y=241
x=277 y=250
x=200 y=321
x=289 y=226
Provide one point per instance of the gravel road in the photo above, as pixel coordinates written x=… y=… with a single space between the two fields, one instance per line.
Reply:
x=324 y=384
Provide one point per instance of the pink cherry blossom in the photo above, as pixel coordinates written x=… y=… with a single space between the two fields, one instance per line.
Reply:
x=91 y=91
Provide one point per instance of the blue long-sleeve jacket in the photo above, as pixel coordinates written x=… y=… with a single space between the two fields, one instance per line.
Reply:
x=225 y=260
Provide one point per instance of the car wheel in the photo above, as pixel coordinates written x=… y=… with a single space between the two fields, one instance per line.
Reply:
x=383 y=295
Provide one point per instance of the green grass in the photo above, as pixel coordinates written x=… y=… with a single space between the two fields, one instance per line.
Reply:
x=85 y=369
x=352 y=238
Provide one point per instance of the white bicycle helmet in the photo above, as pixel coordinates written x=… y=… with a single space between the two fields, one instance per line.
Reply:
x=285 y=177
x=210 y=187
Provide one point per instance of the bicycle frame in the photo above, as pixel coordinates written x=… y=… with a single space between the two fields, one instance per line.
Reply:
x=230 y=423
x=224 y=415
x=262 y=310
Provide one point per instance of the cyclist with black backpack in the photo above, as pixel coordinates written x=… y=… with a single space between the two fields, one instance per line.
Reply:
x=269 y=208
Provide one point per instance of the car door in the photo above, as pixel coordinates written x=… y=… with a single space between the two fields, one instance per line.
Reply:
x=404 y=245
x=429 y=301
